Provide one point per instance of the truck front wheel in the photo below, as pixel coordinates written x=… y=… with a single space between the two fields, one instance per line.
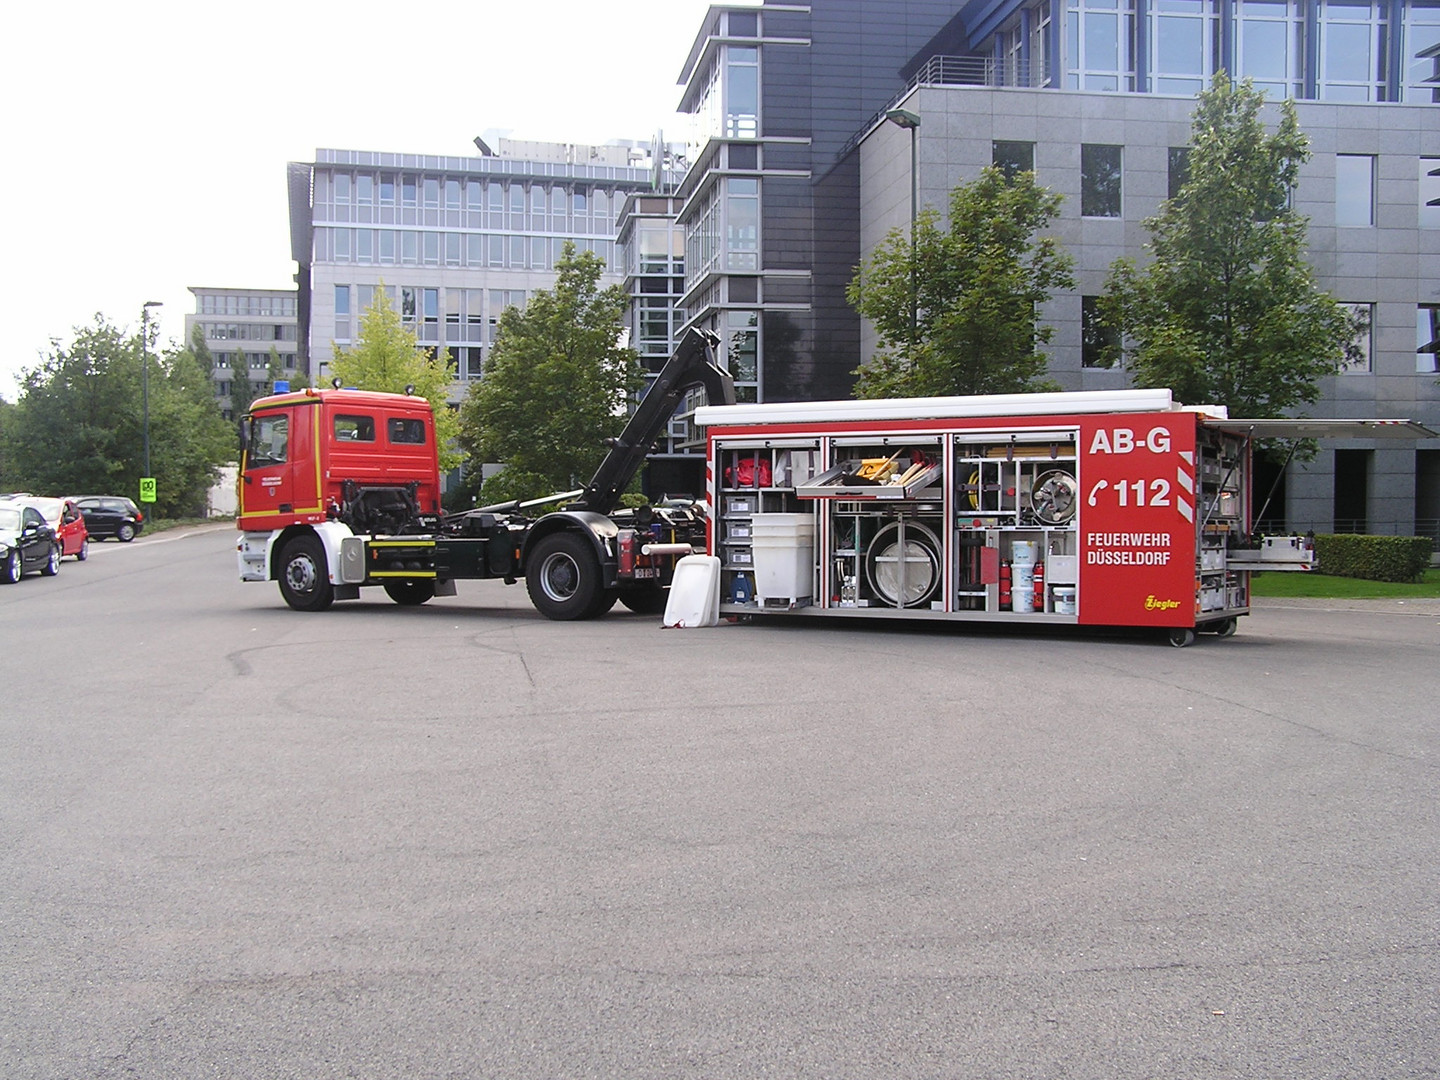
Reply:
x=304 y=577
x=563 y=579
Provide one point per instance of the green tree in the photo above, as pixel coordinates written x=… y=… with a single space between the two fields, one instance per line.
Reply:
x=243 y=392
x=387 y=357
x=200 y=350
x=1227 y=310
x=555 y=385
x=278 y=371
x=79 y=424
x=958 y=313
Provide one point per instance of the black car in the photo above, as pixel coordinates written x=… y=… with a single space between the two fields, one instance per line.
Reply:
x=26 y=543
x=110 y=515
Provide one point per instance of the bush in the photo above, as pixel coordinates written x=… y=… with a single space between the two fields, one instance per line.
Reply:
x=1374 y=558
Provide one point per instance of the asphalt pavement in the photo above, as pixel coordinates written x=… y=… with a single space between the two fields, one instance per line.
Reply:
x=463 y=841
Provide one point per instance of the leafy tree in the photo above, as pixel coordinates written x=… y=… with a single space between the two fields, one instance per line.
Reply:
x=1227 y=310
x=958 y=312
x=278 y=371
x=555 y=386
x=79 y=424
x=200 y=350
x=243 y=392
x=387 y=357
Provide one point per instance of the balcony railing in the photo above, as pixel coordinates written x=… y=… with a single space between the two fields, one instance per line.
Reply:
x=957 y=71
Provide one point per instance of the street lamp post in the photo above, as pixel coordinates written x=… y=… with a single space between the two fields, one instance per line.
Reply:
x=910 y=121
x=145 y=372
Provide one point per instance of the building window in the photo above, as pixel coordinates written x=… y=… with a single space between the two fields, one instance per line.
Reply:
x=742 y=93
x=342 y=311
x=1100 y=36
x=1099 y=344
x=742 y=224
x=1427 y=339
x=1354 y=189
x=1357 y=353
x=1013 y=157
x=1270 y=41
x=742 y=351
x=1430 y=192
x=1178 y=171
x=1352 y=50
x=1421 y=58
x=1184 y=45
x=1099 y=180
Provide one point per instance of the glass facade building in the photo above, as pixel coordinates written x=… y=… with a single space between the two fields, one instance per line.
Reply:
x=453 y=240
x=796 y=175
x=245 y=329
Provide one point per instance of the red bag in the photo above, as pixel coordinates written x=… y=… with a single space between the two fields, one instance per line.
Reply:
x=745 y=472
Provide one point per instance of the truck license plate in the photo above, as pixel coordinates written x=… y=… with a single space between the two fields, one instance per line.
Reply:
x=646 y=572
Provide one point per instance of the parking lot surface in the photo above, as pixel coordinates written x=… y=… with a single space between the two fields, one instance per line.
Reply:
x=463 y=841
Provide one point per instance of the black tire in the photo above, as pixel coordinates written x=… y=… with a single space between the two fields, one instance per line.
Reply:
x=125 y=533
x=11 y=568
x=52 y=564
x=304 y=577
x=410 y=593
x=645 y=601
x=84 y=552
x=1182 y=637
x=1227 y=628
x=563 y=579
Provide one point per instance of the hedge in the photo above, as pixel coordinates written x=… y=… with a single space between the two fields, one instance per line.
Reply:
x=1374 y=558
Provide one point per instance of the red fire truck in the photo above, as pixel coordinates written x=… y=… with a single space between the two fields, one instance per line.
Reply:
x=1115 y=508
x=340 y=489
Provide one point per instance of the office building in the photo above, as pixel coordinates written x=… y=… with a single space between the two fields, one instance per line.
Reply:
x=797 y=175
x=454 y=240
x=246 y=330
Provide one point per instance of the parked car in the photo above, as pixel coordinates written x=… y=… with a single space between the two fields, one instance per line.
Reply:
x=65 y=518
x=110 y=515
x=26 y=543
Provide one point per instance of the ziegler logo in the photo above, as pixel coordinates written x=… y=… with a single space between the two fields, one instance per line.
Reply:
x=1151 y=604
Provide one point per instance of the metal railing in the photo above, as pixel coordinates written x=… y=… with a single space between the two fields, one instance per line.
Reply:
x=956 y=71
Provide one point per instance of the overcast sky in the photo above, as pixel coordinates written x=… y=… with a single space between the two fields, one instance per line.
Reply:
x=146 y=142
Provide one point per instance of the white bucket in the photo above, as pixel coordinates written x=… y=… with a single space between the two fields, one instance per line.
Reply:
x=1024 y=551
x=1022 y=586
x=1064 y=599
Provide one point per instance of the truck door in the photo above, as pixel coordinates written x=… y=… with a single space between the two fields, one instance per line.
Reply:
x=277 y=485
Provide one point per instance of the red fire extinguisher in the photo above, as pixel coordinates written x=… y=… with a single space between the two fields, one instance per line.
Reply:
x=1039 y=586
x=1005 y=584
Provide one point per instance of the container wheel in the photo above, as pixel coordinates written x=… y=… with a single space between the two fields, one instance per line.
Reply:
x=1182 y=636
x=410 y=593
x=563 y=579
x=645 y=601
x=1227 y=627
x=304 y=576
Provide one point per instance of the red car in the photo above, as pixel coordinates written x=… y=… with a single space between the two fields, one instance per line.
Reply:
x=65 y=518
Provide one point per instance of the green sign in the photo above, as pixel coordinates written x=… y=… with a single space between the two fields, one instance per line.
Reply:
x=147 y=489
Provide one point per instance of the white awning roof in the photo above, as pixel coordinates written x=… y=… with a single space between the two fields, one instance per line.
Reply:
x=1325 y=429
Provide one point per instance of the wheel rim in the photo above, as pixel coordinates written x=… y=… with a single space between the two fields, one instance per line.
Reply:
x=559 y=577
x=301 y=574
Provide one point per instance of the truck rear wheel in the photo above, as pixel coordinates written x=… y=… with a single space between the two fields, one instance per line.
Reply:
x=410 y=593
x=563 y=579
x=304 y=576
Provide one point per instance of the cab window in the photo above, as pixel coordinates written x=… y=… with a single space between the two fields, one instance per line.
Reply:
x=269 y=442
x=354 y=428
x=410 y=431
